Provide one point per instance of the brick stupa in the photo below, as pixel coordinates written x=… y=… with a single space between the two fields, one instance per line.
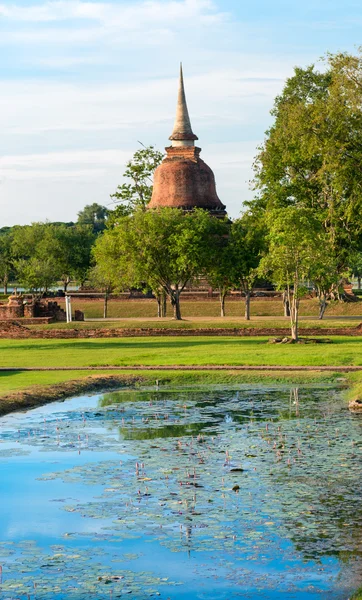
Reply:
x=183 y=180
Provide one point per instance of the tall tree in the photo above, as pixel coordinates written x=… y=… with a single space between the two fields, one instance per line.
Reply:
x=220 y=271
x=295 y=237
x=137 y=192
x=64 y=250
x=94 y=215
x=71 y=249
x=355 y=265
x=6 y=258
x=247 y=242
x=312 y=155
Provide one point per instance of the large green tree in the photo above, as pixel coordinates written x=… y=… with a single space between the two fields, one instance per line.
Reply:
x=162 y=250
x=247 y=242
x=94 y=215
x=312 y=155
x=65 y=252
x=6 y=258
x=293 y=258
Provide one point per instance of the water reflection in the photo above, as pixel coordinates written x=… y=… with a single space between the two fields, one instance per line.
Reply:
x=259 y=488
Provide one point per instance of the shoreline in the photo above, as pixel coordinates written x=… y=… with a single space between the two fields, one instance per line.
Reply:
x=38 y=395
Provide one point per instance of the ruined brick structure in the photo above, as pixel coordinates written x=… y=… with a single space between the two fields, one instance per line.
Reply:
x=184 y=180
x=22 y=307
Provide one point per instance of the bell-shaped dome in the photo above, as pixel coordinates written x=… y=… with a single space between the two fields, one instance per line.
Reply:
x=183 y=180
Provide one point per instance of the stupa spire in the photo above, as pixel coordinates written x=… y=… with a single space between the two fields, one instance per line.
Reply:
x=182 y=134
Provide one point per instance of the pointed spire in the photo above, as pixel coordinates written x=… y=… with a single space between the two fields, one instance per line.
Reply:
x=182 y=134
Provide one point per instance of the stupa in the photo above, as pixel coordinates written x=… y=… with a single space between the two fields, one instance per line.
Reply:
x=184 y=180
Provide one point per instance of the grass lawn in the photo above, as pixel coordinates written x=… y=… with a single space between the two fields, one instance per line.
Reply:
x=176 y=351
x=143 y=308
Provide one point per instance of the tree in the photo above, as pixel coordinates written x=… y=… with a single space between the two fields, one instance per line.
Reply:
x=325 y=275
x=36 y=275
x=220 y=273
x=312 y=155
x=136 y=194
x=246 y=244
x=294 y=237
x=71 y=249
x=161 y=250
x=6 y=258
x=66 y=248
x=355 y=265
x=94 y=215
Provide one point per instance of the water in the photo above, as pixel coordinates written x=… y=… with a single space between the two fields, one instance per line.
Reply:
x=205 y=494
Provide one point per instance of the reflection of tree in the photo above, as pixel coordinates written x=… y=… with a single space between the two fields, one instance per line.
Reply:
x=324 y=512
x=165 y=431
x=318 y=500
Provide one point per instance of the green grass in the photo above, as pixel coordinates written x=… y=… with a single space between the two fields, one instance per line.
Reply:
x=176 y=351
x=17 y=381
x=267 y=307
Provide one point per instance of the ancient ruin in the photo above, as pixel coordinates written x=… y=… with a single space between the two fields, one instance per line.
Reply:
x=28 y=308
x=184 y=180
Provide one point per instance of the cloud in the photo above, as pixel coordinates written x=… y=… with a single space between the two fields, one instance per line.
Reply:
x=233 y=96
x=125 y=15
x=83 y=163
x=62 y=22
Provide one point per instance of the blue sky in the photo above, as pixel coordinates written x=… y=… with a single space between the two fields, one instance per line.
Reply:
x=82 y=81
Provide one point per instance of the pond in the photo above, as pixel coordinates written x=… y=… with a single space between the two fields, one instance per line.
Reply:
x=204 y=493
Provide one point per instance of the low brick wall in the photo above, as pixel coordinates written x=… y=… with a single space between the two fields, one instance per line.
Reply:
x=29 y=321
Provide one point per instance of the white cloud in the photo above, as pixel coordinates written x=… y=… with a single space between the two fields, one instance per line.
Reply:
x=53 y=165
x=147 y=22
x=123 y=15
x=43 y=106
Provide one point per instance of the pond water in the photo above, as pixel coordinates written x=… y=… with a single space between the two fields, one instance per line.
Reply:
x=189 y=493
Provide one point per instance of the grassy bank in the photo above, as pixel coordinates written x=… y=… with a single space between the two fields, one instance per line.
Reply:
x=344 y=351
x=20 y=390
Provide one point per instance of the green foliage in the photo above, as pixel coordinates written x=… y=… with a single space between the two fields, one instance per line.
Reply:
x=36 y=275
x=296 y=252
x=159 y=250
x=236 y=257
x=94 y=215
x=355 y=265
x=64 y=252
x=312 y=155
x=6 y=256
x=137 y=193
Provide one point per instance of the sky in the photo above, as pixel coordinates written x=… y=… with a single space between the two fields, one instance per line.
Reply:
x=83 y=82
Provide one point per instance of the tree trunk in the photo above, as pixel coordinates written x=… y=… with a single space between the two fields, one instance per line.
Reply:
x=294 y=314
x=222 y=296
x=66 y=283
x=286 y=304
x=175 y=302
x=359 y=282
x=247 y=305
x=5 y=285
x=159 y=308
x=163 y=304
x=322 y=307
x=105 y=308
